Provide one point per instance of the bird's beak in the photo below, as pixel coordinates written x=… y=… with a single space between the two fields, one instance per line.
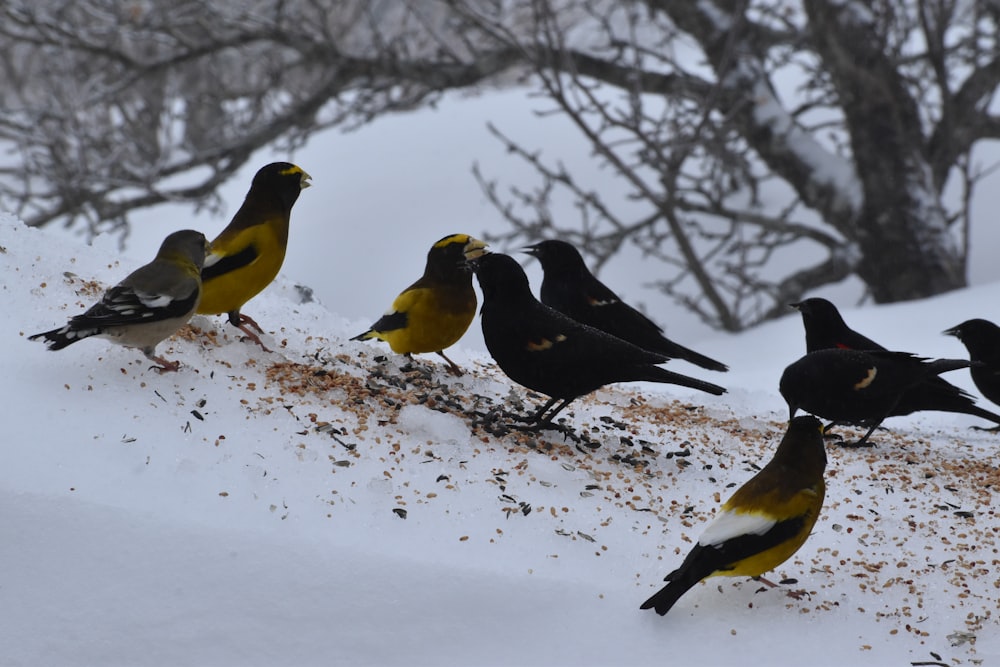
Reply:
x=474 y=249
x=530 y=250
x=304 y=181
x=796 y=306
x=952 y=332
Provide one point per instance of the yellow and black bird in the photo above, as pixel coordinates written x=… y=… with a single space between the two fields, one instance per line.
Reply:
x=766 y=521
x=249 y=252
x=434 y=312
x=149 y=305
x=544 y=350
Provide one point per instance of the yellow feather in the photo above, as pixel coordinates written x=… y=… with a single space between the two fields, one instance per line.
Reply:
x=229 y=291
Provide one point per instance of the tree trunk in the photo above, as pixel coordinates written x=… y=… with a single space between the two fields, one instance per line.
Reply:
x=902 y=231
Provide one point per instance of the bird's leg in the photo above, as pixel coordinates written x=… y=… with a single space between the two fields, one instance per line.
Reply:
x=162 y=365
x=831 y=436
x=453 y=368
x=795 y=595
x=536 y=417
x=559 y=408
x=243 y=323
x=863 y=442
x=238 y=319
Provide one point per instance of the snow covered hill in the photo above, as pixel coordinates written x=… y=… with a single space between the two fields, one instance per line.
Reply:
x=330 y=503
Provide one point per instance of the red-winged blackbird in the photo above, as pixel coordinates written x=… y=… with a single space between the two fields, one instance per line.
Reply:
x=825 y=329
x=982 y=339
x=763 y=523
x=544 y=350
x=856 y=387
x=569 y=287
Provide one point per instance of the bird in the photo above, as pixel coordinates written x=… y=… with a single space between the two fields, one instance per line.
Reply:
x=434 y=312
x=542 y=349
x=149 y=305
x=857 y=387
x=247 y=255
x=766 y=521
x=982 y=339
x=570 y=287
x=825 y=328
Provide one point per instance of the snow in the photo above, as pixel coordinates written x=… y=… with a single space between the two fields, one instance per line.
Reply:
x=246 y=510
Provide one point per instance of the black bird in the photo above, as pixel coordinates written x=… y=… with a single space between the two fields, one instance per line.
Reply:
x=856 y=387
x=826 y=329
x=570 y=287
x=982 y=339
x=544 y=350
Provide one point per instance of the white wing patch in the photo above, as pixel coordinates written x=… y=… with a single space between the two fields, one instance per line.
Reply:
x=729 y=524
x=154 y=301
x=211 y=258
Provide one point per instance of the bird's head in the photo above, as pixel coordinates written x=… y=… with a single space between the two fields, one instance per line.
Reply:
x=816 y=308
x=500 y=276
x=453 y=252
x=283 y=180
x=187 y=246
x=557 y=256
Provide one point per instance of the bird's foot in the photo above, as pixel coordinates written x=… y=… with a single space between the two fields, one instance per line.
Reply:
x=992 y=429
x=252 y=336
x=829 y=435
x=164 y=366
x=863 y=443
x=245 y=320
x=453 y=368
x=797 y=594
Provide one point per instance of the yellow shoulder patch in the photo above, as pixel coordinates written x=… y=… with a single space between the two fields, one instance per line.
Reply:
x=544 y=344
x=867 y=379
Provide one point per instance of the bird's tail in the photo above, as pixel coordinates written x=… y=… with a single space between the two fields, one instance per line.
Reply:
x=675 y=351
x=938 y=394
x=657 y=374
x=666 y=597
x=64 y=336
x=938 y=366
x=366 y=335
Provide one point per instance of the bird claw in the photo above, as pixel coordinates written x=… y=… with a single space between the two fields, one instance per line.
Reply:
x=794 y=594
x=162 y=366
x=245 y=320
x=249 y=335
x=992 y=429
x=860 y=444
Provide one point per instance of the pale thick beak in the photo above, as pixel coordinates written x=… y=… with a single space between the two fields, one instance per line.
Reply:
x=474 y=249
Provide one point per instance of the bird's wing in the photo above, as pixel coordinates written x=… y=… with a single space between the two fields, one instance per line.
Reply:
x=125 y=305
x=737 y=538
x=220 y=263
